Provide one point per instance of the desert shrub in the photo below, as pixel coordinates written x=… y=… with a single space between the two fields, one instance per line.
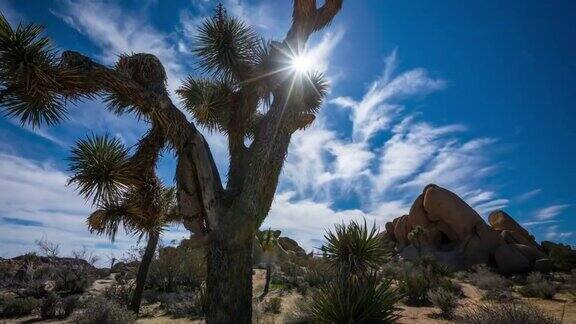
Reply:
x=16 y=307
x=415 y=286
x=273 y=305
x=433 y=267
x=498 y=295
x=55 y=307
x=175 y=268
x=485 y=279
x=395 y=269
x=34 y=288
x=450 y=286
x=461 y=275
x=48 y=307
x=318 y=275
x=538 y=286
x=445 y=300
x=103 y=311
x=300 y=312
x=121 y=294
x=506 y=313
x=184 y=304
x=365 y=299
x=7 y=273
x=72 y=279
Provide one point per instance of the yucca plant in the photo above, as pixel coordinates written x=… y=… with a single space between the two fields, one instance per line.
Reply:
x=354 y=248
x=249 y=91
x=359 y=294
x=366 y=299
x=127 y=193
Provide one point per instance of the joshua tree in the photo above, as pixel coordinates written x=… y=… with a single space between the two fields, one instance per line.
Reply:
x=144 y=208
x=251 y=93
x=268 y=242
x=414 y=237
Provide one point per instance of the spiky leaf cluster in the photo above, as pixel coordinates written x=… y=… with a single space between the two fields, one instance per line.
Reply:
x=133 y=213
x=144 y=69
x=209 y=102
x=354 y=249
x=100 y=167
x=28 y=72
x=366 y=299
x=226 y=47
x=267 y=240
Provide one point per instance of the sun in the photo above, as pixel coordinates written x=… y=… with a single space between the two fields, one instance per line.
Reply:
x=302 y=63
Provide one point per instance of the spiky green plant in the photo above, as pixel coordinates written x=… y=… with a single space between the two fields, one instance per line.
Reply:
x=354 y=248
x=365 y=299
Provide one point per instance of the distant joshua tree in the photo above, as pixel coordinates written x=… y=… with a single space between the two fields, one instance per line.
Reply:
x=251 y=93
x=268 y=242
x=142 y=204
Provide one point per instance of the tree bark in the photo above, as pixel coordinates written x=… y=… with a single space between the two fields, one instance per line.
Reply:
x=143 y=272
x=229 y=284
x=268 y=277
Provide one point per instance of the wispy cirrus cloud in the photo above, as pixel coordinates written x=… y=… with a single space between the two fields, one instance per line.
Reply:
x=117 y=32
x=324 y=166
x=528 y=195
x=554 y=233
x=550 y=212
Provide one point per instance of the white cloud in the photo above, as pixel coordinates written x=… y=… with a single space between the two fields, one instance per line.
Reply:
x=38 y=192
x=528 y=195
x=306 y=220
x=117 y=32
x=553 y=233
x=376 y=110
x=549 y=212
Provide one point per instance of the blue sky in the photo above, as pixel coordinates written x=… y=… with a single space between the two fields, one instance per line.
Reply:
x=477 y=97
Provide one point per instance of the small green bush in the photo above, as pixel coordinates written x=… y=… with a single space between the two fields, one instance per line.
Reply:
x=273 y=305
x=102 y=311
x=184 y=304
x=55 y=307
x=121 y=294
x=177 y=268
x=485 y=279
x=506 y=313
x=72 y=280
x=415 y=286
x=17 y=307
x=445 y=300
x=498 y=295
x=450 y=286
x=538 y=286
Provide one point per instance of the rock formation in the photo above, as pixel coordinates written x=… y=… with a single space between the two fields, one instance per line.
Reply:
x=457 y=235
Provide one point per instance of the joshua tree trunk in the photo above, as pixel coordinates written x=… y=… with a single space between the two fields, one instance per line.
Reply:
x=268 y=277
x=143 y=272
x=229 y=283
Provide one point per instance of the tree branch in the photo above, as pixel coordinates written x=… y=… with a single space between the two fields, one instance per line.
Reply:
x=200 y=187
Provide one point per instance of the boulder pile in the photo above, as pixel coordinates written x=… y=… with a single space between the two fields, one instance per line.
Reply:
x=457 y=235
